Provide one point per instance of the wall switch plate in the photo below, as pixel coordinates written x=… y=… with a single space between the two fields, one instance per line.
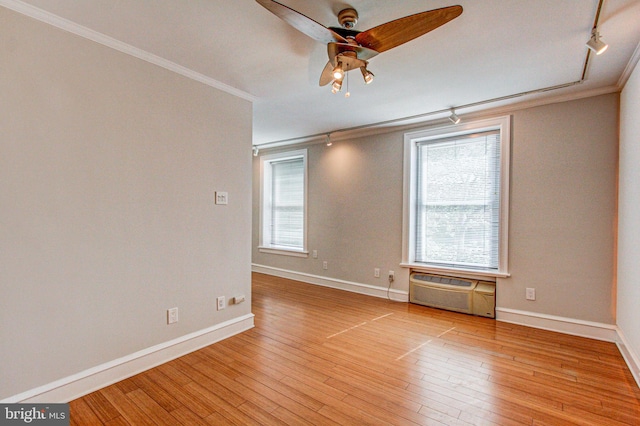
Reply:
x=315 y=254
x=222 y=197
x=172 y=316
x=325 y=265
x=220 y=303
x=531 y=294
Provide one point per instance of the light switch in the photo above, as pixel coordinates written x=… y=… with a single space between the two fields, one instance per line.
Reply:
x=222 y=197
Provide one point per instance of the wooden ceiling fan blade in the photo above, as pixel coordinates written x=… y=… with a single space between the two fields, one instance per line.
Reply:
x=327 y=74
x=302 y=23
x=397 y=32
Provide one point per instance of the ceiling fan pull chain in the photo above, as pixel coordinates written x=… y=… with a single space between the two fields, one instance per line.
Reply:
x=346 y=95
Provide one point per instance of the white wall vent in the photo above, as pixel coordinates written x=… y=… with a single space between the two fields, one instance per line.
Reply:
x=454 y=294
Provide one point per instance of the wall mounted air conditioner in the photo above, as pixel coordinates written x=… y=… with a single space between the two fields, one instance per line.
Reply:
x=454 y=294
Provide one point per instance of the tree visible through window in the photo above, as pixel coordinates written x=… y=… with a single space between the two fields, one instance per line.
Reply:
x=456 y=206
x=458 y=200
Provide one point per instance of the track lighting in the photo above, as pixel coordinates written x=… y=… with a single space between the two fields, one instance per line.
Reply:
x=454 y=117
x=338 y=72
x=366 y=74
x=328 y=140
x=595 y=44
x=255 y=151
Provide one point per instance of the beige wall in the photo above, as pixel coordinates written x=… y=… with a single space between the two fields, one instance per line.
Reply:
x=629 y=218
x=563 y=195
x=563 y=205
x=108 y=167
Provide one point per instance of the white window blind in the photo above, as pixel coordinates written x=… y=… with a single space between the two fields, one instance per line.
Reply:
x=287 y=204
x=458 y=201
x=283 y=203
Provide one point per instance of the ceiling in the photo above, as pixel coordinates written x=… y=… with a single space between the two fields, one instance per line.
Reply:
x=496 y=52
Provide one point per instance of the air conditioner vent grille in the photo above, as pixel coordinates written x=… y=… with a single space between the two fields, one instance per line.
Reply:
x=452 y=300
x=436 y=279
x=454 y=294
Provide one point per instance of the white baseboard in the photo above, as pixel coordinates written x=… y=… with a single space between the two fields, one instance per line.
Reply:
x=370 y=290
x=80 y=384
x=575 y=327
x=631 y=358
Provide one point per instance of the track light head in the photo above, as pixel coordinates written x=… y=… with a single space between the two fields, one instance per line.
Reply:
x=255 y=151
x=454 y=117
x=327 y=140
x=595 y=44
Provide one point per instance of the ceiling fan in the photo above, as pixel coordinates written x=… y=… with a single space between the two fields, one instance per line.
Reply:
x=349 y=49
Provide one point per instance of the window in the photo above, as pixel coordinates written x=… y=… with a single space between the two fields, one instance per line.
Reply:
x=283 y=203
x=456 y=198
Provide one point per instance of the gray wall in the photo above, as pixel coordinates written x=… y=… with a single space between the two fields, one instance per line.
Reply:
x=563 y=206
x=629 y=218
x=354 y=211
x=108 y=167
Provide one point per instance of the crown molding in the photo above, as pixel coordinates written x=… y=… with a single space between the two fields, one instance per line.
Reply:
x=628 y=70
x=89 y=34
x=506 y=105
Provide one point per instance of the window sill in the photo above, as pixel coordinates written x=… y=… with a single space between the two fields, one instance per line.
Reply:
x=460 y=272
x=283 y=252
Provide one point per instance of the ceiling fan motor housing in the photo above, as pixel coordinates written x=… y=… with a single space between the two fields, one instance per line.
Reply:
x=348 y=18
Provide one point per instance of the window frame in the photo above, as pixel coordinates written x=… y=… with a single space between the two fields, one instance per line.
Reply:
x=503 y=126
x=266 y=182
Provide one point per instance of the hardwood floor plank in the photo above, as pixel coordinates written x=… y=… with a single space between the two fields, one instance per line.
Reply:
x=321 y=356
x=149 y=384
x=395 y=416
x=127 y=408
x=185 y=416
x=184 y=396
x=101 y=407
x=151 y=408
x=83 y=414
x=348 y=416
x=118 y=421
x=259 y=415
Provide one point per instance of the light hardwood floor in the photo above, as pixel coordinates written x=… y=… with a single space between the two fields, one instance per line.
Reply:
x=319 y=356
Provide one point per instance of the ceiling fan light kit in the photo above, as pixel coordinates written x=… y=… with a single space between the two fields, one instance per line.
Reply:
x=338 y=72
x=349 y=49
x=366 y=74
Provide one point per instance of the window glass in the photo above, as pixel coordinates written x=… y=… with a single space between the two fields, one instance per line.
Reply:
x=458 y=201
x=456 y=197
x=283 y=222
x=287 y=204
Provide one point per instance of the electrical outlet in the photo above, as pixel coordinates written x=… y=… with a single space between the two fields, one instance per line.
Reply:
x=376 y=272
x=325 y=265
x=392 y=276
x=172 y=316
x=220 y=303
x=531 y=294
x=315 y=254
